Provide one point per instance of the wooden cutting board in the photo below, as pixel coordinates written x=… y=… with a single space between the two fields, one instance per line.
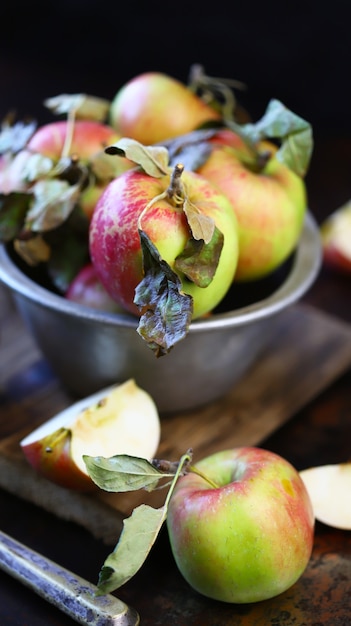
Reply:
x=309 y=351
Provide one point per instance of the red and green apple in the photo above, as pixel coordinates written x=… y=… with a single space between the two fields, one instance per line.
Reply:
x=268 y=198
x=241 y=525
x=153 y=107
x=115 y=246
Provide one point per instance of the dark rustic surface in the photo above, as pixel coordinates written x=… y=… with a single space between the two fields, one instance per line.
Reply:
x=309 y=351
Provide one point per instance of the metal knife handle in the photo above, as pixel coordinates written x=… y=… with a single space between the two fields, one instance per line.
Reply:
x=70 y=593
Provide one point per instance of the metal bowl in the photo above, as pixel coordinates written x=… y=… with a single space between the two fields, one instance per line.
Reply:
x=89 y=349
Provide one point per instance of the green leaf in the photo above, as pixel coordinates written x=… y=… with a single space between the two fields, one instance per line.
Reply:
x=139 y=534
x=199 y=261
x=153 y=159
x=293 y=131
x=69 y=246
x=122 y=473
x=13 y=210
x=166 y=311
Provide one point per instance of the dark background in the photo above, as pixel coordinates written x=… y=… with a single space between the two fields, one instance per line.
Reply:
x=298 y=52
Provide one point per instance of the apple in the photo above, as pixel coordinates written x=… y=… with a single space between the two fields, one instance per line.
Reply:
x=336 y=239
x=247 y=535
x=115 y=247
x=122 y=419
x=329 y=487
x=87 y=289
x=153 y=107
x=83 y=142
x=268 y=198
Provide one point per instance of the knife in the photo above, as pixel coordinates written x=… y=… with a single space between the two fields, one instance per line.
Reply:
x=68 y=592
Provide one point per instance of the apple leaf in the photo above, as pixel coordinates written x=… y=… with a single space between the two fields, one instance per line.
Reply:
x=82 y=105
x=201 y=225
x=13 y=137
x=139 y=534
x=166 y=311
x=199 y=260
x=36 y=166
x=69 y=249
x=34 y=250
x=293 y=131
x=153 y=159
x=123 y=472
x=192 y=149
x=140 y=530
x=13 y=210
x=53 y=201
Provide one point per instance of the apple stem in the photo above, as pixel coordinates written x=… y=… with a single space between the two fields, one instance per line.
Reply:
x=175 y=190
x=195 y=470
x=160 y=196
x=59 y=435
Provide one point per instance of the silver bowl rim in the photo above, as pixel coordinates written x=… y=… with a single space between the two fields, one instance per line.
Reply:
x=305 y=267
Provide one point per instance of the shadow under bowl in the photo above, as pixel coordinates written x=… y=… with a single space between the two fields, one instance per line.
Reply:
x=89 y=349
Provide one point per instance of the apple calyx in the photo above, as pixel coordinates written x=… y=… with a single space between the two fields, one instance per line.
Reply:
x=123 y=473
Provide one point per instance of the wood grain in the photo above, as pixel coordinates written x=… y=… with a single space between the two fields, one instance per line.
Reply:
x=309 y=351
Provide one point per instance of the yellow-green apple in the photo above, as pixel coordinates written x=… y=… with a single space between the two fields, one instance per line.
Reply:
x=122 y=419
x=132 y=201
x=153 y=107
x=247 y=535
x=268 y=198
x=87 y=289
x=336 y=239
x=83 y=142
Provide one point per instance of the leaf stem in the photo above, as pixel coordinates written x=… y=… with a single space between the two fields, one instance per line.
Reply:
x=71 y=118
x=184 y=460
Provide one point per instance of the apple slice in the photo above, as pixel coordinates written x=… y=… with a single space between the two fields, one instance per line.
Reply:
x=121 y=419
x=336 y=239
x=329 y=488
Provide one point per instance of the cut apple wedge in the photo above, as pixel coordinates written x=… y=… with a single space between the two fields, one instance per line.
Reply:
x=122 y=419
x=329 y=488
x=336 y=239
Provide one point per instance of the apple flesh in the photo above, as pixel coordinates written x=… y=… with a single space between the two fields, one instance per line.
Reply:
x=248 y=539
x=87 y=289
x=153 y=107
x=115 y=247
x=269 y=204
x=329 y=487
x=336 y=239
x=122 y=419
x=85 y=145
